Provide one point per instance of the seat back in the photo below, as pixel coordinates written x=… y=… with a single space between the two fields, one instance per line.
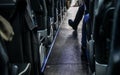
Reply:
x=102 y=30
x=15 y=48
x=114 y=61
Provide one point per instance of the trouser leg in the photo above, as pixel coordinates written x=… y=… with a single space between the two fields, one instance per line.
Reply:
x=83 y=39
x=79 y=15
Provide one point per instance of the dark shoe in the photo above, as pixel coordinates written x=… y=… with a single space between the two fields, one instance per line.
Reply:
x=83 y=53
x=84 y=57
x=71 y=23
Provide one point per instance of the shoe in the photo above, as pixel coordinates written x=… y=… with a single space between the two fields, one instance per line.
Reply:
x=83 y=54
x=71 y=23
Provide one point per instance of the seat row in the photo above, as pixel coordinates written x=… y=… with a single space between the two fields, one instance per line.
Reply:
x=103 y=37
x=27 y=30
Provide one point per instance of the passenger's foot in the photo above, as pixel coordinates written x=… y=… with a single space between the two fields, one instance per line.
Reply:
x=83 y=54
x=71 y=23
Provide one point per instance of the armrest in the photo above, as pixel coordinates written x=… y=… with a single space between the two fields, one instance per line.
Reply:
x=24 y=69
